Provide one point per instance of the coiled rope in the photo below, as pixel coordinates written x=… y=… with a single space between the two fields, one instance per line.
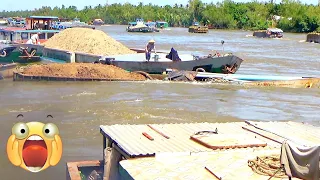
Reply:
x=268 y=166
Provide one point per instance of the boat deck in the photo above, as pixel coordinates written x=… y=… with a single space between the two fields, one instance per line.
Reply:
x=141 y=57
x=171 y=151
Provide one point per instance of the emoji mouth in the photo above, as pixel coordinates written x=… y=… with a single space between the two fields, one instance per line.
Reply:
x=34 y=153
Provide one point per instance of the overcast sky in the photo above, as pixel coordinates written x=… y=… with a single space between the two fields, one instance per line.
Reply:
x=10 y=5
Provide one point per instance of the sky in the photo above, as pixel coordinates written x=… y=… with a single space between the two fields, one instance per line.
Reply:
x=11 y=5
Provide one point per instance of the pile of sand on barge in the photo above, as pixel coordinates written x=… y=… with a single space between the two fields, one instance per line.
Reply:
x=81 y=70
x=87 y=40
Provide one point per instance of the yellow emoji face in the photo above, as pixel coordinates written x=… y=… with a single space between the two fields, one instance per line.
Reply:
x=34 y=146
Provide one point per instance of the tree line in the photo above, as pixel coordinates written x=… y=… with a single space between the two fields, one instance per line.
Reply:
x=289 y=15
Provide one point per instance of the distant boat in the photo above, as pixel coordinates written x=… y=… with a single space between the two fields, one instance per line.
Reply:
x=98 y=22
x=153 y=26
x=3 y=21
x=17 y=22
x=269 y=33
x=162 y=25
x=71 y=24
x=139 y=26
x=197 y=28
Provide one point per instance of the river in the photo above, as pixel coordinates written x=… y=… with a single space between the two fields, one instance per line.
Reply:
x=79 y=108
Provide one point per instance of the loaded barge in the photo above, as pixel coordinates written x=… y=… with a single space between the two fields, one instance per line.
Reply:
x=196 y=151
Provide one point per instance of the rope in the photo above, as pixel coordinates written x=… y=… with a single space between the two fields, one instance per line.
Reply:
x=268 y=166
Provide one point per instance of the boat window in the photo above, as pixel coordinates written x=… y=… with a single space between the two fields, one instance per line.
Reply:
x=50 y=35
x=41 y=36
x=24 y=36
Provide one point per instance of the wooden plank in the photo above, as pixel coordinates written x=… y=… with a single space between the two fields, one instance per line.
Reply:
x=227 y=141
x=159 y=132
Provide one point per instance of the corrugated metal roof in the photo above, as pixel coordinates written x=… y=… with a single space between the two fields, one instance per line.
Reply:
x=130 y=139
x=299 y=133
x=228 y=165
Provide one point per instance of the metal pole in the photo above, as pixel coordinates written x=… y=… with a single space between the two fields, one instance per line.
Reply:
x=222 y=42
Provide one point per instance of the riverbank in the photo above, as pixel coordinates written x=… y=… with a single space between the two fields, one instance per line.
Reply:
x=79 y=108
x=250 y=15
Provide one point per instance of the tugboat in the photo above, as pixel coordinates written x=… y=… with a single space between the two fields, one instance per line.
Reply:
x=162 y=25
x=269 y=33
x=139 y=26
x=197 y=28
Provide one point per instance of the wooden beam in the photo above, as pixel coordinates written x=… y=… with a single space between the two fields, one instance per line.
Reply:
x=111 y=166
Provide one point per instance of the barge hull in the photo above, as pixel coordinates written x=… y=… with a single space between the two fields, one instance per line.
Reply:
x=210 y=64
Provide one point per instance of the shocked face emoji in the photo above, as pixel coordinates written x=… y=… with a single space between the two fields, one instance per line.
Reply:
x=34 y=146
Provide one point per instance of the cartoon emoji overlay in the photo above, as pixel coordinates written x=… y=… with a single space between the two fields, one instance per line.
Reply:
x=34 y=146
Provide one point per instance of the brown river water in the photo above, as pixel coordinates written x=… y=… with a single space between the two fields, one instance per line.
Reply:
x=80 y=107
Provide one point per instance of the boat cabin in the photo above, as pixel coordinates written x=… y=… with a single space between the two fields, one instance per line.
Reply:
x=21 y=36
x=40 y=22
x=162 y=24
x=132 y=24
x=274 y=32
x=151 y=24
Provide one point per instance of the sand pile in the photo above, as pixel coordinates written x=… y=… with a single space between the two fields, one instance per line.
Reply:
x=81 y=70
x=87 y=40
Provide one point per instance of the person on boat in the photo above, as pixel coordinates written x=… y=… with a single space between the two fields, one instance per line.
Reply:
x=149 y=47
x=34 y=39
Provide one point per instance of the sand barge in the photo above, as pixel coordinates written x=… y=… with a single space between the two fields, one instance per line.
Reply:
x=87 y=40
x=76 y=71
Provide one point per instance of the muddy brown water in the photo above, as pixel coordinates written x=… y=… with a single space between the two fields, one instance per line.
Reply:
x=80 y=107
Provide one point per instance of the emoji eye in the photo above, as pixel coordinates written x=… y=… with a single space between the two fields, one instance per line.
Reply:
x=50 y=130
x=21 y=130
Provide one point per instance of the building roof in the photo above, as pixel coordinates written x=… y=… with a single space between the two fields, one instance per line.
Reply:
x=43 y=17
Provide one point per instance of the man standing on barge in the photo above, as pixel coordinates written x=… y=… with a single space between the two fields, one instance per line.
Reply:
x=149 y=47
